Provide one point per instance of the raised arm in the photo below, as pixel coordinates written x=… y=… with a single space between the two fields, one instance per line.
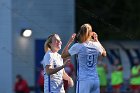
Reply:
x=65 y=52
x=95 y=36
x=104 y=51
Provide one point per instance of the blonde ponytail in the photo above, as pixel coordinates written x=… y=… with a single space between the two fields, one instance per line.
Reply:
x=47 y=47
x=84 y=33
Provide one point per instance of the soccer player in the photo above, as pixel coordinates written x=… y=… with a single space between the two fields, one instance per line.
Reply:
x=135 y=77
x=102 y=73
x=87 y=51
x=54 y=72
x=117 y=76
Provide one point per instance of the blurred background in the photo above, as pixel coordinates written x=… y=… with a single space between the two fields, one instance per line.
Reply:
x=115 y=21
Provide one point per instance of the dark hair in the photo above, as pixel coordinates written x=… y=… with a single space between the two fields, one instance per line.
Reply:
x=19 y=77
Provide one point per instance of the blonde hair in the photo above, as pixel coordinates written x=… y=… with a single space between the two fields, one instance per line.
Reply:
x=47 y=43
x=84 y=33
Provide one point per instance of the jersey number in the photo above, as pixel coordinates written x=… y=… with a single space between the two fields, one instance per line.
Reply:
x=90 y=60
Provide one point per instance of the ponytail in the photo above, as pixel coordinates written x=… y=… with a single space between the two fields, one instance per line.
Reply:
x=84 y=33
x=47 y=46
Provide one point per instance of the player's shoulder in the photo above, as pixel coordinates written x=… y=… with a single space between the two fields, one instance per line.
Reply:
x=77 y=44
x=48 y=54
x=95 y=44
x=80 y=45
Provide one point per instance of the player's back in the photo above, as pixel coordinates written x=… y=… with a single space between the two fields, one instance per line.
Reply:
x=87 y=60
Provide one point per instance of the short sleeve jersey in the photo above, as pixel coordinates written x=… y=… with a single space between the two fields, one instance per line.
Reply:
x=53 y=83
x=88 y=53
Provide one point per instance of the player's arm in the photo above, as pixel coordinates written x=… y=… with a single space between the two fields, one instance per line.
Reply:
x=65 y=52
x=95 y=36
x=68 y=78
x=51 y=70
x=104 y=51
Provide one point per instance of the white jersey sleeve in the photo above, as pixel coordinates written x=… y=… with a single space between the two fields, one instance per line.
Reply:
x=47 y=59
x=99 y=47
x=74 y=49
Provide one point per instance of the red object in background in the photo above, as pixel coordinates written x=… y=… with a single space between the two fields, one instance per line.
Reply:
x=135 y=87
x=117 y=86
x=69 y=69
x=21 y=85
x=41 y=78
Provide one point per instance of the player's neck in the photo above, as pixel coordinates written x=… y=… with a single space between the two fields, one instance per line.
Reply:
x=54 y=50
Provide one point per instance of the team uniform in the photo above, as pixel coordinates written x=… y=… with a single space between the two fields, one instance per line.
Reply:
x=102 y=76
x=117 y=78
x=53 y=83
x=135 y=81
x=87 y=76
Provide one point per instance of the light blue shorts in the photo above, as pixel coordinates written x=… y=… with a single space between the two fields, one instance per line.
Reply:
x=88 y=86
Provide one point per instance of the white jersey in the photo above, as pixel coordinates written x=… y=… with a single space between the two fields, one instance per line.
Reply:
x=88 y=53
x=53 y=83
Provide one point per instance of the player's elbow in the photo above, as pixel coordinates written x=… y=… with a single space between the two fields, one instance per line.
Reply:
x=104 y=53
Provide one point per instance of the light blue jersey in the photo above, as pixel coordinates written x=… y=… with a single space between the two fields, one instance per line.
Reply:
x=53 y=83
x=88 y=53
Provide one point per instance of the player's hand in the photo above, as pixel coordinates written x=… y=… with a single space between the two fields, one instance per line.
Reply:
x=95 y=36
x=70 y=82
x=72 y=38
